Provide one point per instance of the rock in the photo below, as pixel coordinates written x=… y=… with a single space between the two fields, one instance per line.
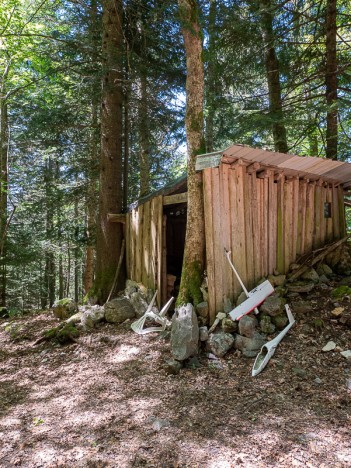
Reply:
x=301 y=307
x=158 y=423
x=202 y=309
x=272 y=306
x=242 y=297
x=245 y=344
x=330 y=346
x=203 y=333
x=346 y=354
x=192 y=363
x=76 y=318
x=64 y=308
x=172 y=367
x=277 y=280
x=317 y=381
x=266 y=325
x=118 y=310
x=324 y=269
x=184 y=333
x=137 y=299
x=220 y=343
x=294 y=266
x=92 y=316
x=247 y=326
x=229 y=326
x=310 y=275
x=131 y=287
x=4 y=312
x=323 y=279
x=301 y=286
x=348 y=385
x=299 y=372
x=280 y=291
x=345 y=281
x=280 y=321
x=338 y=311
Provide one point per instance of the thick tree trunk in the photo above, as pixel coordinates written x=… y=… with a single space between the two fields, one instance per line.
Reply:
x=211 y=78
x=126 y=147
x=331 y=81
x=144 y=137
x=193 y=262
x=273 y=78
x=4 y=135
x=109 y=235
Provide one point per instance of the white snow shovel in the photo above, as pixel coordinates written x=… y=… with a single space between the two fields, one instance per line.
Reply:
x=268 y=349
x=138 y=325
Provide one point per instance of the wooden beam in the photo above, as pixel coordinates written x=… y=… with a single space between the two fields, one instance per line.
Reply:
x=116 y=218
x=175 y=199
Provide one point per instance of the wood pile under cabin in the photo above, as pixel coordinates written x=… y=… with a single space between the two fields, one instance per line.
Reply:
x=267 y=208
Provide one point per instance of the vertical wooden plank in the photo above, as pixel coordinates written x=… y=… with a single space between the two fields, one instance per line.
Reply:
x=255 y=226
x=275 y=228
x=288 y=223
x=329 y=236
x=295 y=216
x=272 y=224
x=233 y=187
x=310 y=218
x=317 y=215
x=335 y=214
x=265 y=226
x=160 y=239
x=217 y=239
x=240 y=261
x=128 y=242
x=248 y=222
x=146 y=245
x=153 y=233
x=301 y=220
x=224 y=171
x=342 y=219
x=164 y=260
x=280 y=224
x=139 y=244
x=323 y=219
x=207 y=190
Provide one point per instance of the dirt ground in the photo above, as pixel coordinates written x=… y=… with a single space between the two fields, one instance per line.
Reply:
x=107 y=401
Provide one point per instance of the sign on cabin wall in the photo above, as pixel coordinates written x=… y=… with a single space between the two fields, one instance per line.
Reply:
x=209 y=160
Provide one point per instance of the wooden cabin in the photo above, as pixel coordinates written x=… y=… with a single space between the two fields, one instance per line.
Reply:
x=267 y=208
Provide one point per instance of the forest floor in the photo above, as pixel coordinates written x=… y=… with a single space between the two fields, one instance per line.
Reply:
x=107 y=401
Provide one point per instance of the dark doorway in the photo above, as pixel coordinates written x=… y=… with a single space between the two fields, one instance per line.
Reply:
x=174 y=243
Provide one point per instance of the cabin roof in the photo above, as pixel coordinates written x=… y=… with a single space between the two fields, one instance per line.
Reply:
x=313 y=168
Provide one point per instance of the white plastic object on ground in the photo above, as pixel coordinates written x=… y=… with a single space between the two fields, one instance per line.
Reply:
x=138 y=325
x=268 y=349
x=256 y=297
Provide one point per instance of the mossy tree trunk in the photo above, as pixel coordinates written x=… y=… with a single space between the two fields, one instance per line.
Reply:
x=3 y=190
x=109 y=235
x=193 y=262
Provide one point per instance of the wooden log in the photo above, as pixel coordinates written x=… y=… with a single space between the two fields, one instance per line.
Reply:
x=280 y=223
x=301 y=220
x=295 y=216
x=207 y=189
x=217 y=239
x=175 y=199
x=309 y=233
x=233 y=187
x=329 y=236
x=224 y=172
x=335 y=213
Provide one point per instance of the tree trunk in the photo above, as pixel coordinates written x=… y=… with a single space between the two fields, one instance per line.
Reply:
x=4 y=136
x=144 y=137
x=109 y=235
x=126 y=146
x=331 y=81
x=273 y=78
x=193 y=262
x=211 y=78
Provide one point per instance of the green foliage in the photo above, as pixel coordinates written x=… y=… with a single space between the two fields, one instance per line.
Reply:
x=340 y=292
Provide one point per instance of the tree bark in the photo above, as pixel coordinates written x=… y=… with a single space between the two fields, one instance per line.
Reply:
x=109 y=235
x=331 y=81
x=211 y=78
x=273 y=78
x=193 y=262
x=4 y=136
x=144 y=137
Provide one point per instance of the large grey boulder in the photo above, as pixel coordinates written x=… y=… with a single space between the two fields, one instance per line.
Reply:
x=220 y=343
x=91 y=316
x=118 y=310
x=184 y=333
x=272 y=306
x=64 y=308
x=247 y=326
x=139 y=303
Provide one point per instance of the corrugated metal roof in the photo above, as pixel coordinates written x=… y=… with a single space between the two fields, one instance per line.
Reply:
x=304 y=166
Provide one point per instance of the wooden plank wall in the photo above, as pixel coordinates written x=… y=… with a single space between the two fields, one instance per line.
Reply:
x=144 y=244
x=266 y=220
